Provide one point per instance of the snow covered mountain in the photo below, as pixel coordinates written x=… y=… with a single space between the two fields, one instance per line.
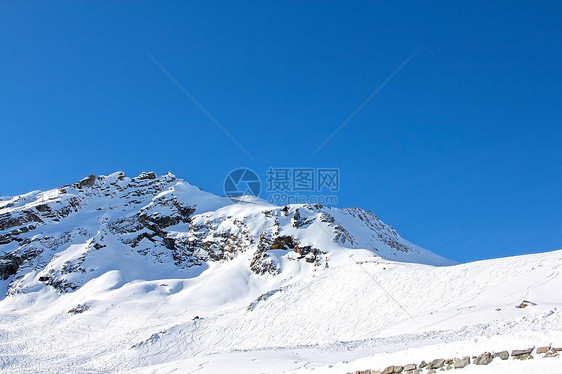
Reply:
x=151 y=273
x=149 y=227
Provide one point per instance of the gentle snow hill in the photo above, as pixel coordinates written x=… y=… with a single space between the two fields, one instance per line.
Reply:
x=151 y=274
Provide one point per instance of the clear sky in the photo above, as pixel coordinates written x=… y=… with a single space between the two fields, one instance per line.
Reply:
x=460 y=151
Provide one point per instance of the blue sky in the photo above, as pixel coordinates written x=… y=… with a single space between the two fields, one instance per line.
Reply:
x=460 y=151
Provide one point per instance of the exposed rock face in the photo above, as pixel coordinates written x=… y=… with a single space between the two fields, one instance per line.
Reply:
x=8 y=267
x=79 y=309
x=86 y=182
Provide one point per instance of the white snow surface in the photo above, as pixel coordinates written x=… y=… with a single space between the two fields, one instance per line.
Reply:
x=221 y=300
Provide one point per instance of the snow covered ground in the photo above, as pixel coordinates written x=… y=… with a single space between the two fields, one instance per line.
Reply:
x=161 y=277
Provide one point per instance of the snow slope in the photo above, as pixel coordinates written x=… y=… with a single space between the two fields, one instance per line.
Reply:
x=151 y=274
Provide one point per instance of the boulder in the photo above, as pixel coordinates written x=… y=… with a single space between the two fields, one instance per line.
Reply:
x=521 y=352
x=437 y=363
x=504 y=355
x=526 y=356
x=461 y=362
x=422 y=364
x=388 y=370
x=149 y=175
x=541 y=350
x=483 y=359
x=284 y=242
x=398 y=369
x=410 y=367
x=87 y=182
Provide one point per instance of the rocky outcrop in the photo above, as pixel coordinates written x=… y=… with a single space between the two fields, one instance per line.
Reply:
x=80 y=308
x=262 y=298
x=8 y=267
x=89 y=181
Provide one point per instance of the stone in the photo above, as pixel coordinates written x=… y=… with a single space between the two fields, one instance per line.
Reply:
x=449 y=362
x=431 y=371
x=521 y=352
x=388 y=370
x=422 y=364
x=448 y=367
x=541 y=350
x=437 y=363
x=8 y=267
x=87 y=182
x=398 y=369
x=504 y=355
x=80 y=308
x=462 y=362
x=149 y=175
x=551 y=354
x=417 y=371
x=410 y=367
x=556 y=349
x=483 y=359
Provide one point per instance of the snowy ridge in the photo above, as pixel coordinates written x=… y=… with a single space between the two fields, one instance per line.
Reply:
x=151 y=274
